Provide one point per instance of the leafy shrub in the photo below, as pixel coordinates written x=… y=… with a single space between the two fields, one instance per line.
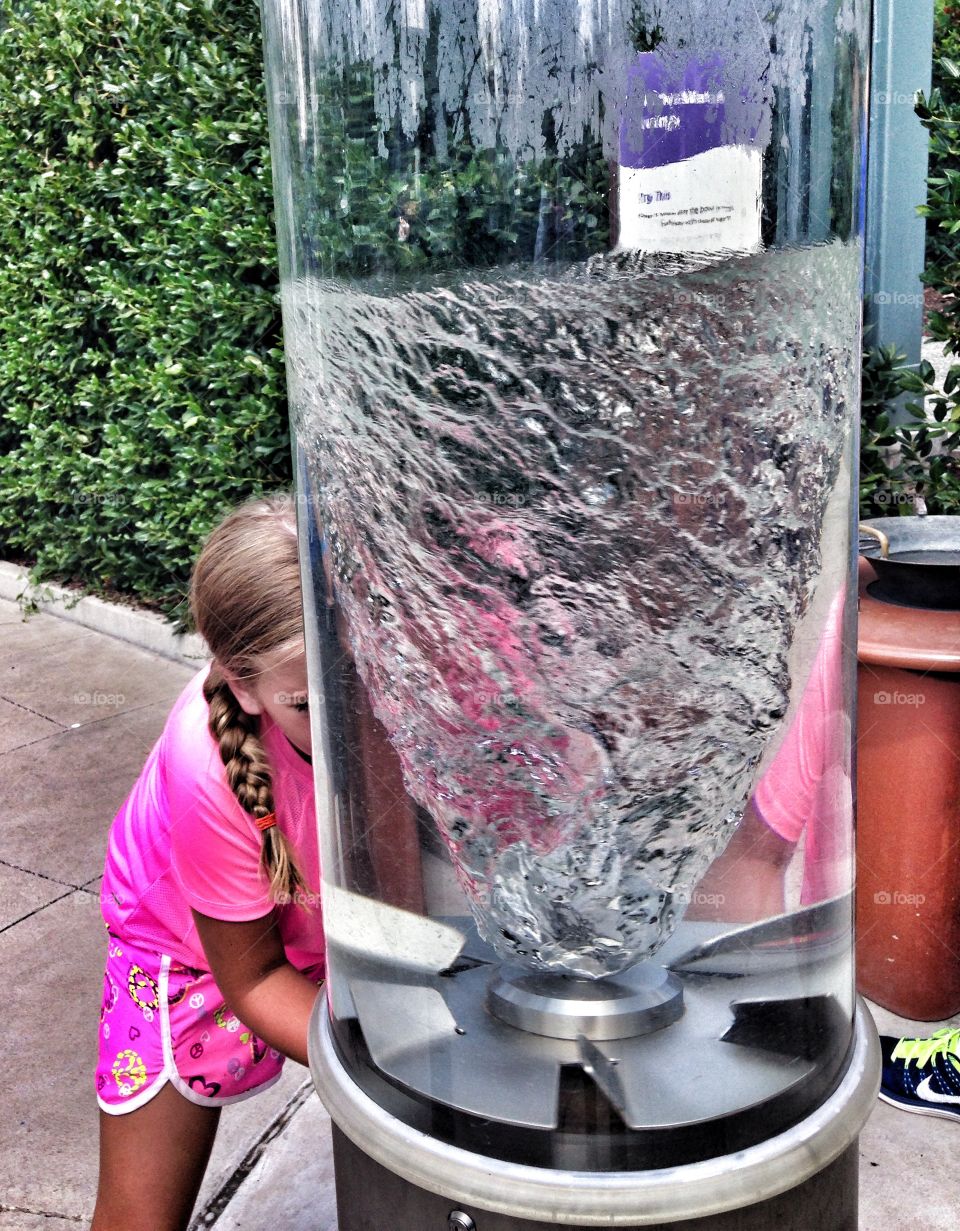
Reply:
x=141 y=386
x=915 y=465
x=432 y=204
x=940 y=115
x=946 y=46
x=942 y=119
x=912 y=466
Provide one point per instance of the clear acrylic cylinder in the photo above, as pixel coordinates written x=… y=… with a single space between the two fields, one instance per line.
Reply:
x=571 y=301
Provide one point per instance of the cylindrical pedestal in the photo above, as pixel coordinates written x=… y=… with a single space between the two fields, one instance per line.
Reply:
x=389 y=1175
x=370 y=1198
x=908 y=785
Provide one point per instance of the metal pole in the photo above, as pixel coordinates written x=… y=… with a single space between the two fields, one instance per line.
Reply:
x=896 y=175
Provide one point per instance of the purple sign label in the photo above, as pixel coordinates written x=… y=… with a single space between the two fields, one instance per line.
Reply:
x=671 y=113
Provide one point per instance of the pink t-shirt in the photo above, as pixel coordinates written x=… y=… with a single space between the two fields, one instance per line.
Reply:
x=807 y=787
x=181 y=840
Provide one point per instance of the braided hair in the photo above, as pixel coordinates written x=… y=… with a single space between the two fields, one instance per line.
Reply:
x=246 y=602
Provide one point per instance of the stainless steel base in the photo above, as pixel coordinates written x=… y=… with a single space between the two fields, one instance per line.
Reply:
x=628 y=1005
x=741 y=1030
x=396 y=1176
x=370 y=1198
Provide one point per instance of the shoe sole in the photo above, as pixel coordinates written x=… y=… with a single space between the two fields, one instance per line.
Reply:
x=921 y=1109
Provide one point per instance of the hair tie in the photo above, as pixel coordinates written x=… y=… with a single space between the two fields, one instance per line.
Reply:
x=265 y=822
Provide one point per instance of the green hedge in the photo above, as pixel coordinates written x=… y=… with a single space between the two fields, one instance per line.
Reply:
x=908 y=466
x=941 y=246
x=913 y=465
x=940 y=115
x=141 y=380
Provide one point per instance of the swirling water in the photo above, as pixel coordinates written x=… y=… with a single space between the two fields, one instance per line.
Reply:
x=573 y=519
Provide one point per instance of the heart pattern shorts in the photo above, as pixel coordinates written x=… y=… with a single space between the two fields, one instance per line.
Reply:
x=162 y=1022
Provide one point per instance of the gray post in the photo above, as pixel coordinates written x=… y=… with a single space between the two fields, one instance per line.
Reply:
x=896 y=175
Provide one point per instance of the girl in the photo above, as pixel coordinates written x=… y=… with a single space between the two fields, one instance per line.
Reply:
x=210 y=888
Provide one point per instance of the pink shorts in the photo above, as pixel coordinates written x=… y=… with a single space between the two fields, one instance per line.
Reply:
x=163 y=1022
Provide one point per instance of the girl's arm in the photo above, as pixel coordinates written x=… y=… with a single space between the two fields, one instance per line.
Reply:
x=258 y=983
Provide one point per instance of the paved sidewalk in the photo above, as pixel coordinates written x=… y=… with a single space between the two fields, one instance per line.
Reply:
x=78 y=713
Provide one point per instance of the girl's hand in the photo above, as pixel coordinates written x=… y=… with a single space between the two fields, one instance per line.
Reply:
x=259 y=985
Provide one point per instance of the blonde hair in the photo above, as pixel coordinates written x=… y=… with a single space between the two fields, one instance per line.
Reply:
x=246 y=602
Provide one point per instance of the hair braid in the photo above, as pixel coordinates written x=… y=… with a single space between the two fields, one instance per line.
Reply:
x=249 y=777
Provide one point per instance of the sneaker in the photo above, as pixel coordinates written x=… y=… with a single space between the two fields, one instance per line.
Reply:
x=923 y=1075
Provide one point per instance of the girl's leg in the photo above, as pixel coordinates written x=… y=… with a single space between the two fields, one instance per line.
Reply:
x=152 y=1162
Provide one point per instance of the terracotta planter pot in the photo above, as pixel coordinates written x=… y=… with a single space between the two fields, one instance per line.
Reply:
x=908 y=830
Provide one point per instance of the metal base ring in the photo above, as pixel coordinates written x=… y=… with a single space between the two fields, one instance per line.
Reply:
x=624 y=1199
x=638 y=1001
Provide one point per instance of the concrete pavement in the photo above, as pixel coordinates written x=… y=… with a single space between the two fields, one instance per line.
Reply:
x=78 y=713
